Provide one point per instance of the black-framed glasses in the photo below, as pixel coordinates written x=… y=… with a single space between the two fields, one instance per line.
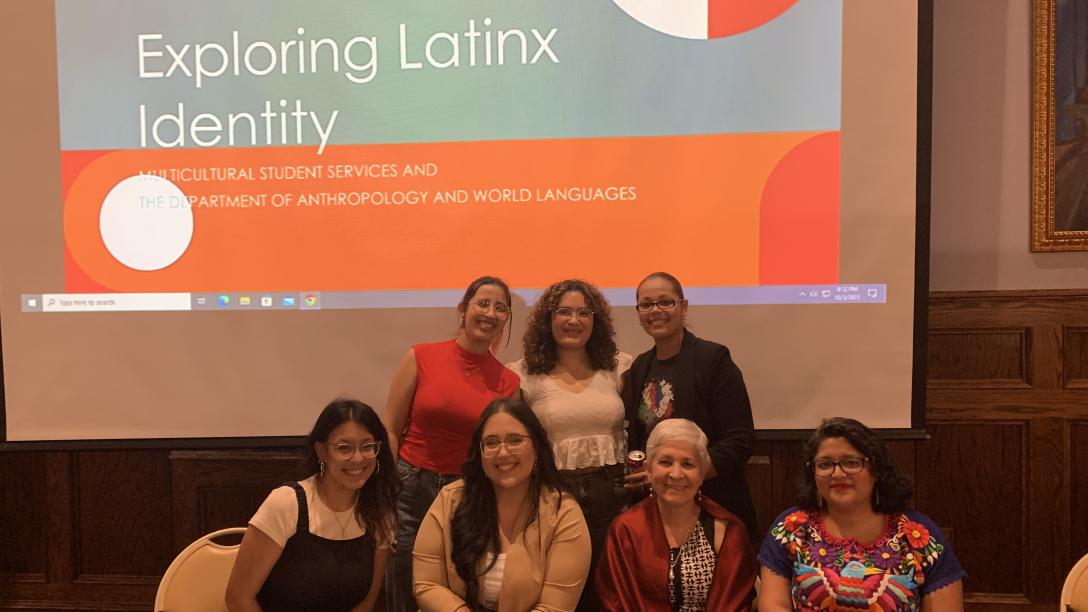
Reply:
x=500 y=308
x=368 y=450
x=582 y=313
x=663 y=304
x=851 y=466
x=514 y=443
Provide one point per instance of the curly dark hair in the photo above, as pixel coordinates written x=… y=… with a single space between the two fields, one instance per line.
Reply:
x=891 y=488
x=539 y=344
x=377 y=502
x=474 y=528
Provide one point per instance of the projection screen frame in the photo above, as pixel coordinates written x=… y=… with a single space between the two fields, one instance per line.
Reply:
x=921 y=305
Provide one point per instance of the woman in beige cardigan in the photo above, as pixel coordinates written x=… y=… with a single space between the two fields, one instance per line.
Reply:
x=506 y=538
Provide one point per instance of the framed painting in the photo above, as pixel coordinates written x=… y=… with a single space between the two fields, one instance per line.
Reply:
x=1059 y=147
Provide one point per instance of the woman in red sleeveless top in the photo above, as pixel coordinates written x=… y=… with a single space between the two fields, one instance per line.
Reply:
x=435 y=400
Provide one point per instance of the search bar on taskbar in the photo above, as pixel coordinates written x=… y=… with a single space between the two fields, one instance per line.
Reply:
x=114 y=302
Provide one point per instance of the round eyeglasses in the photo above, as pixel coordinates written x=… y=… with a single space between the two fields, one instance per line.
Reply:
x=566 y=312
x=501 y=309
x=368 y=450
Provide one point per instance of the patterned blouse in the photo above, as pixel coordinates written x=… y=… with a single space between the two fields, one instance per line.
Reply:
x=910 y=560
x=691 y=568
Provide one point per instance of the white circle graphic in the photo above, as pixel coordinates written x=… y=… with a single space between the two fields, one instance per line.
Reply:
x=680 y=18
x=146 y=222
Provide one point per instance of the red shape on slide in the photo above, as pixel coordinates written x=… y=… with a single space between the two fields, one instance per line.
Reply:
x=76 y=280
x=799 y=216
x=71 y=164
x=729 y=17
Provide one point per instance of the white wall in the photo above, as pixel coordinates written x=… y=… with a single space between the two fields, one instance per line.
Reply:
x=981 y=211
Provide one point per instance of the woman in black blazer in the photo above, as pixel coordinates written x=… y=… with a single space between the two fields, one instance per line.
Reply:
x=685 y=376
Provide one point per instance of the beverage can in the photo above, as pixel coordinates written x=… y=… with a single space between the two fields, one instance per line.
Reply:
x=636 y=461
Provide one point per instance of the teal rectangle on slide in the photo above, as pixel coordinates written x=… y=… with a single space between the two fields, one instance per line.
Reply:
x=602 y=73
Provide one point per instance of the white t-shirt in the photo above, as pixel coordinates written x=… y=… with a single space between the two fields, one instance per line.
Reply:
x=585 y=427
x=278 y=516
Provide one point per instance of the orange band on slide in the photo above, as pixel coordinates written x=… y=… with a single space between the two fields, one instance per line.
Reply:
x=688 y=204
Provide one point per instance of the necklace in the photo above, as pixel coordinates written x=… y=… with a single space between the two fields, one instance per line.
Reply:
x=347 y=518
x=347 y=514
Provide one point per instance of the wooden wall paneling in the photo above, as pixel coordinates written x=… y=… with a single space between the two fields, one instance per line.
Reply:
x=760 y=478
x=787 y=469
x=988 y=309
x=1048 y=502
x=1075 y=357
x=60 y=538
x=1046 y=355
x=1074 y=524
x=223 y=488
x=903 y=453
x=59 y=508
x=975 y=357
x=989 y=404
x=22 y=531
x=971 y=477
x=124 y=516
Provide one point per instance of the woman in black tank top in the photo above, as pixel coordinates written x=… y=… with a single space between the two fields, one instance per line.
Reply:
x=322 y=543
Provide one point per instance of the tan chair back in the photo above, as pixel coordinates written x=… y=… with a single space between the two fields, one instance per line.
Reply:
x=197 y=579
x=1075 y=592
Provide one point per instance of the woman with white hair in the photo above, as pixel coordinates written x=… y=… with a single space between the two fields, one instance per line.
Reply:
x=676 y=550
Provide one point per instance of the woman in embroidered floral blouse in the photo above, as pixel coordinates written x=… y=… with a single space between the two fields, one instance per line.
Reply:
x=851 y=543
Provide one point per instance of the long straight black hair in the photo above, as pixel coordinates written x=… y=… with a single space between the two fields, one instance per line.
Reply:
x=474 y=529
x=377 y=503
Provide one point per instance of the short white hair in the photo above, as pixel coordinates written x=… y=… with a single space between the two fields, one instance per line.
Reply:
x=678 y=430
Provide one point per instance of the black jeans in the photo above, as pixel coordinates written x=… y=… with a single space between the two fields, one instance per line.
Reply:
x=419 y=488
x=602 y=497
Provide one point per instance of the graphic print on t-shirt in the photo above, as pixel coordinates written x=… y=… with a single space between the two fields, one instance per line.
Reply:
x=657 y=402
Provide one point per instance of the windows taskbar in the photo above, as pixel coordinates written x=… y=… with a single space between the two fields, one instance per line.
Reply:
x=843 y=293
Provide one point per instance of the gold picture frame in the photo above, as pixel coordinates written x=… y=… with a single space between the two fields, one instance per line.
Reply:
x=1059 y=134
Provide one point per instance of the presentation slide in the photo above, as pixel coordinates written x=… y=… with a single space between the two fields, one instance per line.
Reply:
x=224 y=214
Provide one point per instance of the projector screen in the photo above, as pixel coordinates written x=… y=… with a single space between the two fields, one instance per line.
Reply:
x=221 y=214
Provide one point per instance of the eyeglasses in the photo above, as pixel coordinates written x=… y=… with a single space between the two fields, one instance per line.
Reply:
x=514 y=443
x=500 y=308
x=851 y=466
x=663 y=304
x=368 y=450
x=567 y=313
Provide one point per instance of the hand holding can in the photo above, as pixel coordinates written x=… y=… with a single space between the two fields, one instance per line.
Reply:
x=636 y=475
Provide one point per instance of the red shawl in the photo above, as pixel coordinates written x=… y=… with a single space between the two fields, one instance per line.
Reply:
x=633 y=570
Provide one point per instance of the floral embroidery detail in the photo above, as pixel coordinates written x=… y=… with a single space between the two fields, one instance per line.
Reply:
x=842 y=574
x=916 y=533
x=795 y=520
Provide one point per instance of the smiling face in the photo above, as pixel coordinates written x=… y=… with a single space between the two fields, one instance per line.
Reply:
x=661 y=323
x=676 y=472
x=506 y=470
x=351 y=473
x=572 y=331
x=841 y=490
x=485 y=315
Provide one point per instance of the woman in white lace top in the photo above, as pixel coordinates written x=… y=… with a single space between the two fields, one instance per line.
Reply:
x=571 y=377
